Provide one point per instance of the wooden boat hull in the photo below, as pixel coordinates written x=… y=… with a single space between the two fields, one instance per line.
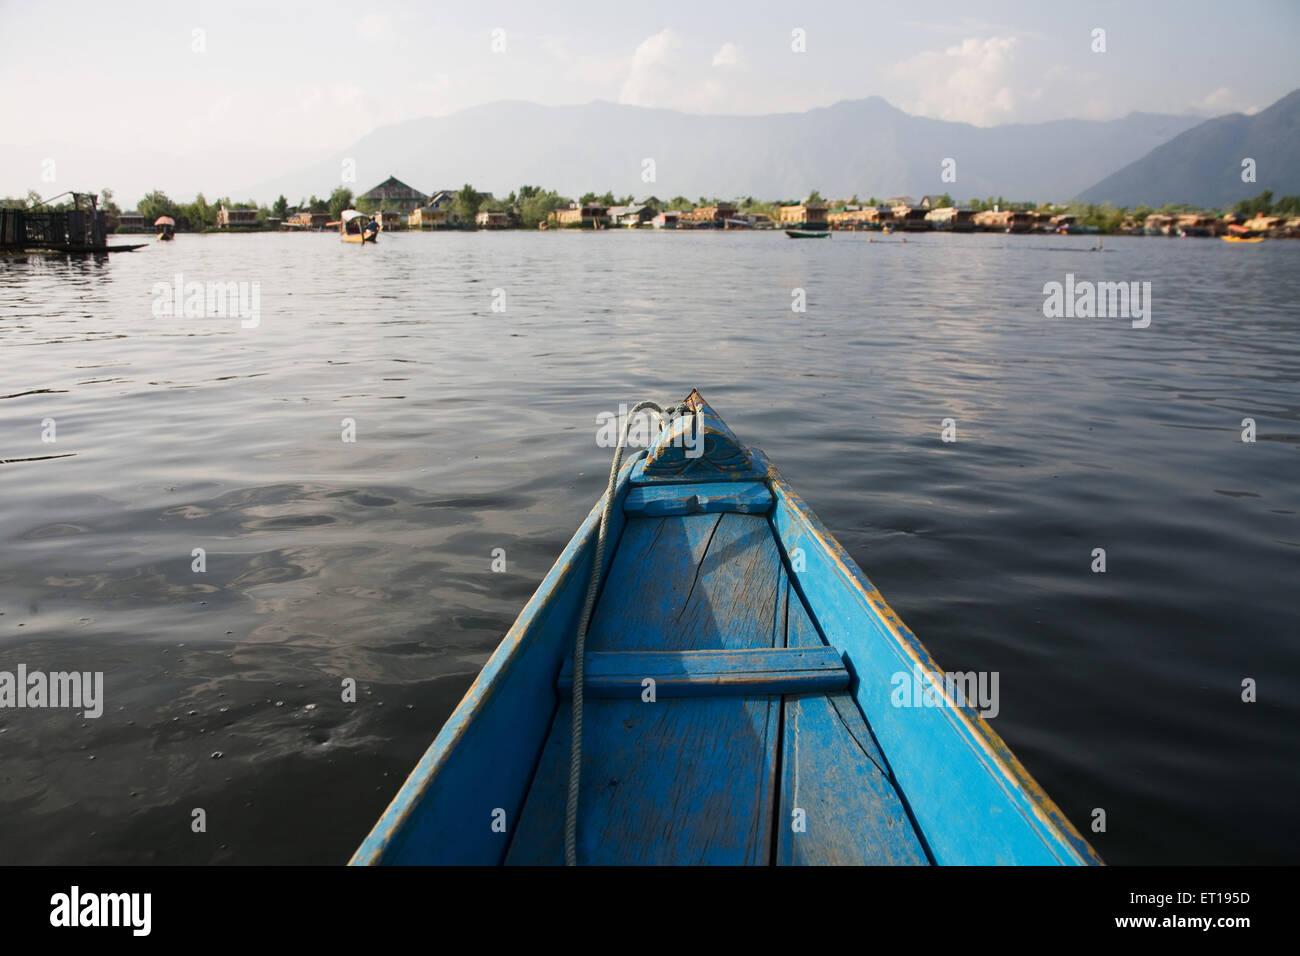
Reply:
x=773 y=731
x=807 y=234
x=1242 y=238
x=164 y=237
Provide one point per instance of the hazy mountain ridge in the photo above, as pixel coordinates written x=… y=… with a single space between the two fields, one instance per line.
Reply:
x=862 y=146
x=1202 y=165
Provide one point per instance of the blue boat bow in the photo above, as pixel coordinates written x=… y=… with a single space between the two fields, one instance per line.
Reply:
x=750 y=698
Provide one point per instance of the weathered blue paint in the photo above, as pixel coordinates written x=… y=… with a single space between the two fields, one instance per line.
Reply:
x=700 y=447
x=482 y=760
x=697 y=582
x=709 y=599
x=689 y=780
x=828 y=751
x=661 y=501
x=972 y=800
x=710 y=673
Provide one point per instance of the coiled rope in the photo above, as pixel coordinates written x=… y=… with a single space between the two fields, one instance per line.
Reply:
x=580 y=642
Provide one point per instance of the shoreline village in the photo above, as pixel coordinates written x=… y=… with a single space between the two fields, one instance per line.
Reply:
x=86 y=219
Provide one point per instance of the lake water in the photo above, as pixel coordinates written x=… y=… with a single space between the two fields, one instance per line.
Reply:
x=476 y=429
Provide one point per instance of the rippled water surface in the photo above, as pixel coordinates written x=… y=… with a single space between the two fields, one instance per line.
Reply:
x=476 y=430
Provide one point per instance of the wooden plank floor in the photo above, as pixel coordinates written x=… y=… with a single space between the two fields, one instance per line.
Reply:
x=828 y=752
x=694 y=582
x=712 y=780
x=679 y=781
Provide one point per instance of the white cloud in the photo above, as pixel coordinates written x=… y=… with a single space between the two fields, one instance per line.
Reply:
x=309 y=98
x=220 y=110
x=654 y=76
x=375 y=27
x=346 y=95
x=667 y=73
x=1223 y=100
x=728 y=55
x=969 y=82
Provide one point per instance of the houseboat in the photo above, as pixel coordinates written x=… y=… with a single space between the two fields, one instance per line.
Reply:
x=1003 y=220
x=910 y=218
x=804 y=217
x=951 y=219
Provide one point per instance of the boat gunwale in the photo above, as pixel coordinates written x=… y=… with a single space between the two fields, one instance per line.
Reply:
x=415 y=788
x=994 y=751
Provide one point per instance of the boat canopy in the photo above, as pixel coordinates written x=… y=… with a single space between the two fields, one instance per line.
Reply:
x=164 y=221
x=350 y=214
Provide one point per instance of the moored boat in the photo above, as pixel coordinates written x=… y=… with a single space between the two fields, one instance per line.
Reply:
x=807 y=233
x=1235 y=238
x=737 y=693
x=356 y=226
x=165 y=226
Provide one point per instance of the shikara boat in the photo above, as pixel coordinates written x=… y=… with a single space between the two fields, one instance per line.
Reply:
x=807 y=233
x=165 y=226
x=357 y=227
x=1242 y=238
x=748 y=697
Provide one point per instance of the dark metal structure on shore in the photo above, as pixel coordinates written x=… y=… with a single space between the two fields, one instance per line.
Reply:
x=79 y=229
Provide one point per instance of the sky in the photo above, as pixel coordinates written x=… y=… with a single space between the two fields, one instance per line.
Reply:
x=192 y=95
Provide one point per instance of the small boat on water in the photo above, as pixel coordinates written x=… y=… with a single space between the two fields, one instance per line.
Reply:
x=1242 y=238
x=807 y=233
x=357 y=227
x=742 y=694
x=166 y=227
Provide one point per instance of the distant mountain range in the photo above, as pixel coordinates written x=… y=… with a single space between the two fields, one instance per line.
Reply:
x=1203 y=165
x=864 y=147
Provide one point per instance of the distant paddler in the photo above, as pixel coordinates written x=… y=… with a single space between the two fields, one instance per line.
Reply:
x=356 y=226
